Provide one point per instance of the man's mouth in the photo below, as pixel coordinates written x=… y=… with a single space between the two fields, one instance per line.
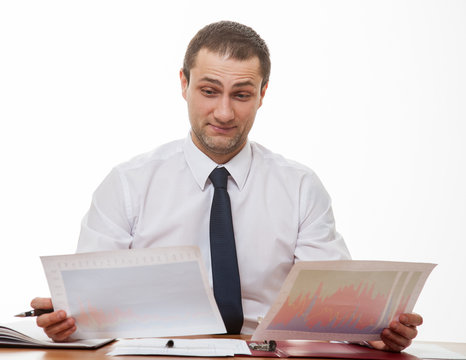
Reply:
x=222 y=129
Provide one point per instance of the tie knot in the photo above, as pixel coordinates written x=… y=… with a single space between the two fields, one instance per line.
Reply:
x=219 y=177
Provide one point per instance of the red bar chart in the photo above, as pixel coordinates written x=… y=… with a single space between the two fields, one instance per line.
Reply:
x=354 y=304
x=342 y=300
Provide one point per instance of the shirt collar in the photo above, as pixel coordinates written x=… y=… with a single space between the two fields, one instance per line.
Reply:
x=201 y=165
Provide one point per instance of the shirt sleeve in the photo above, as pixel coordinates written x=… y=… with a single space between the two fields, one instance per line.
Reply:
x=317 y=236
x=107 y=225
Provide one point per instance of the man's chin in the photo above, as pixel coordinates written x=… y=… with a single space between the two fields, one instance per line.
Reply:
x=222 y=150
x=221 y=146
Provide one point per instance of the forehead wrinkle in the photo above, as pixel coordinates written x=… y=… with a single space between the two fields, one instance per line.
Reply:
x=238 y=75
x=221 y=71
x=236 y=85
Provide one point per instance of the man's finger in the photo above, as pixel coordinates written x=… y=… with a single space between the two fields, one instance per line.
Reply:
x=411 y=319
x=48 y=320
x=394 y=341
x=41 y=303
x=64 y=335
x=407 y=331
x=60 y=328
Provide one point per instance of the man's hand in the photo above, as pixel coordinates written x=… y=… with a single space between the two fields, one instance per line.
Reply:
x=56 y=325
x=399 y=334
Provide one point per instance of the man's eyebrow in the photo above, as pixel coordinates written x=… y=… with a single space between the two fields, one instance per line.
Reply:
x=212 y=81
x=218 y=83
x=244 y=83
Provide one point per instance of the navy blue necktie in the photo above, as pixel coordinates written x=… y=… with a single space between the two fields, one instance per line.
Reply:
x=227 y=286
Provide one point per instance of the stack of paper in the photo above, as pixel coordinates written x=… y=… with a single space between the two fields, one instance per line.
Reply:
x=182 y=347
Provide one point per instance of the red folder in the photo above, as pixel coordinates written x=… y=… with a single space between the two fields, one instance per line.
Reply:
x=320 y=349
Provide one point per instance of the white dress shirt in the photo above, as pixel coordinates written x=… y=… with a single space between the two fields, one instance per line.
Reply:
x=281 y=214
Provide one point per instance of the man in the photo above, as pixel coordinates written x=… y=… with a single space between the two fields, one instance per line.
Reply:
x=281 y=212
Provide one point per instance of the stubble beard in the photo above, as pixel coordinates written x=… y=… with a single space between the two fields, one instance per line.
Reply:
x=218 y=144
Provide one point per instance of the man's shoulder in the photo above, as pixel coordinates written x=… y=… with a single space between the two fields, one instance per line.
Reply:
x=162 y=154
x=268 y=158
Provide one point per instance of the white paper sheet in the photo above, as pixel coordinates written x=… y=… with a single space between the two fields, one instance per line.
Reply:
x=134 y=293
x=342 y=300
x=182 y=347
x=433 y=351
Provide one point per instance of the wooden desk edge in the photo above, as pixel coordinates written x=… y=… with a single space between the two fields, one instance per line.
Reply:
x=100 y=354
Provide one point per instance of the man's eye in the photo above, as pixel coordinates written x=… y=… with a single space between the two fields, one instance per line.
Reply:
x=208 y=92
x=243 y=96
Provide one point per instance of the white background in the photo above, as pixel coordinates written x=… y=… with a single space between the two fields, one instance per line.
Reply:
x=370 y=94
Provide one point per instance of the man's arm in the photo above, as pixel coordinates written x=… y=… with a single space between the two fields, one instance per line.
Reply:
x=319 y=240
x=105 y=227
x=56 y=325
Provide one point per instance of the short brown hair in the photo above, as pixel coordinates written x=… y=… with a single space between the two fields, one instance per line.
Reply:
x=233 y=39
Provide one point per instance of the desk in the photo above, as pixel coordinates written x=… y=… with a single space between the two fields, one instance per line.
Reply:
x=100 y=354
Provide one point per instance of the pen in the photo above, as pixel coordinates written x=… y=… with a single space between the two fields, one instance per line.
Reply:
x=35 y=312
x=170 y=344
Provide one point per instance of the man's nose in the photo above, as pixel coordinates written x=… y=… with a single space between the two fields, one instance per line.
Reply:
x=224 y=111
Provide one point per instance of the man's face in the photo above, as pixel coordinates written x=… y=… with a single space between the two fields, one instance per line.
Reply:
x=223 y=96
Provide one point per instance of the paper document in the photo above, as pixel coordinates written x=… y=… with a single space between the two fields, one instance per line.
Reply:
x=26 y=333
x=182 y=347
x=433 y=351
x=342 y=300
x=135 y=293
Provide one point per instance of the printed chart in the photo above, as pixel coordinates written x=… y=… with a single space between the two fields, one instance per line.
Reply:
x=134 y=293
x=343 y=300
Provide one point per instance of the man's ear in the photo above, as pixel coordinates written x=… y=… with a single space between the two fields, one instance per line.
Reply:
x=184 y=83
x=263 y=91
